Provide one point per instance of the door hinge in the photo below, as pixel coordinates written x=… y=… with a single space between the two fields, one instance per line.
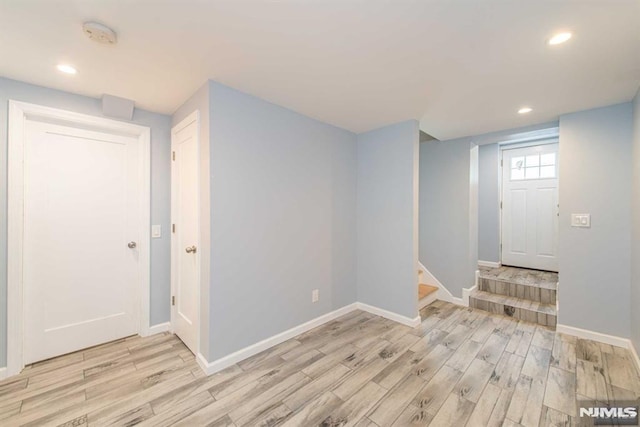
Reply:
x=500 y=205
x=501 y=162
x=173 y=156
x=173 y=228
x=173 y=300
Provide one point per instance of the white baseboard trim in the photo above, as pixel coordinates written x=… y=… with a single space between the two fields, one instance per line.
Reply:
x=233 y=358
x=3 y=373
x=490 y=264
x=210 y=368
x=466 y=292
x=464 y=301
x=159 y=328
x=603 y=338
x=457 y=301
x=443 y=292
x=445 y=295
x=594 y=336
x=389 y=315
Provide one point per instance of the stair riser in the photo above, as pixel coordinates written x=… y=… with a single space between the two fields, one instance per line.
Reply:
x=515 y=312
x=422 y=303
x=528 y=292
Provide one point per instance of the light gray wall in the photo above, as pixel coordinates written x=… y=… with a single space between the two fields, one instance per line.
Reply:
x=200 y=101
x=472 y=263
x=283 y=212
x=160 y=188
x=595 y=178
x=387 y=202
x=635 y=215
x=446 y=210
x=489 y=203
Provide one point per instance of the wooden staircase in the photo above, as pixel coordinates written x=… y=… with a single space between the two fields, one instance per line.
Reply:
x=528 y=295
x=425 y=290
x=426 y=293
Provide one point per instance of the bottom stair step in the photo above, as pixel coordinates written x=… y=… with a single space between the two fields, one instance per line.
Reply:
x=426 y=295
x=426 y=290
x=518 y=308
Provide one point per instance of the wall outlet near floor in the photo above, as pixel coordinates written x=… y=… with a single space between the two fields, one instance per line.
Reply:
x=315 y=295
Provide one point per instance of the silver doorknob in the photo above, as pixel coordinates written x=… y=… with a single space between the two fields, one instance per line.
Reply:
x=191 y=249
x=132 y=245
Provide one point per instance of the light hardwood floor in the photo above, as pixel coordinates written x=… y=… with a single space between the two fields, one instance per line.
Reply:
x=460 y=367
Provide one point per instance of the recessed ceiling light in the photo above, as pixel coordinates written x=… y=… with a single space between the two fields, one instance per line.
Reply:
x=525 y=110
x=66 y=68
x=560 y=38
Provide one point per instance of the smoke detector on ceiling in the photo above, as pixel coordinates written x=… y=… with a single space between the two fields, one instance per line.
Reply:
x=99 y=33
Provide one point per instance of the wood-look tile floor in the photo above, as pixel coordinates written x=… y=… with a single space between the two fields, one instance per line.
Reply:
x=460 y=367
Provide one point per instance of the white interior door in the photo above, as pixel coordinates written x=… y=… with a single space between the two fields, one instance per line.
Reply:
x=184 y=242
x=81 y=210
x=530 y=207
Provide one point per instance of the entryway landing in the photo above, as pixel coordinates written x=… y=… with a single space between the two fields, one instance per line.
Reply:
x=524 y=294
x=521 y=276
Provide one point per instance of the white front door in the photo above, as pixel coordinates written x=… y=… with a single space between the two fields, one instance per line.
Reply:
x=81 y=212
x=530 y=207
x=184 y=242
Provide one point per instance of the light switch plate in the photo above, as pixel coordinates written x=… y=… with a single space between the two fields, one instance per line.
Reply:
x=156 y=231
x=581 y=220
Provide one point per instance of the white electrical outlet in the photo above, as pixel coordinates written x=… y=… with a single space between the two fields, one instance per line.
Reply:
x=315 y=295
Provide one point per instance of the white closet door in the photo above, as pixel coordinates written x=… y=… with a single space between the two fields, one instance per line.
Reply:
x=81 y=213
x=185 y=217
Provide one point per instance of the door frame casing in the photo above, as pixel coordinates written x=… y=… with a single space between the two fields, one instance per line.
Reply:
x=514 y=146
x=191 y=118
x=19 y=114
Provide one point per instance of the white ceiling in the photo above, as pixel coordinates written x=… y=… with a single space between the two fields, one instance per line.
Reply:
x=463 y=67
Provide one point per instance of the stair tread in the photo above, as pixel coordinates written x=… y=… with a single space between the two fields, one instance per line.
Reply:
x=521 y=276
x=515 y=302
x=425 y=290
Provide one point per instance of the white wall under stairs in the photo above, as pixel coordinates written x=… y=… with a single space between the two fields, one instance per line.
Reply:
x=443 y=293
